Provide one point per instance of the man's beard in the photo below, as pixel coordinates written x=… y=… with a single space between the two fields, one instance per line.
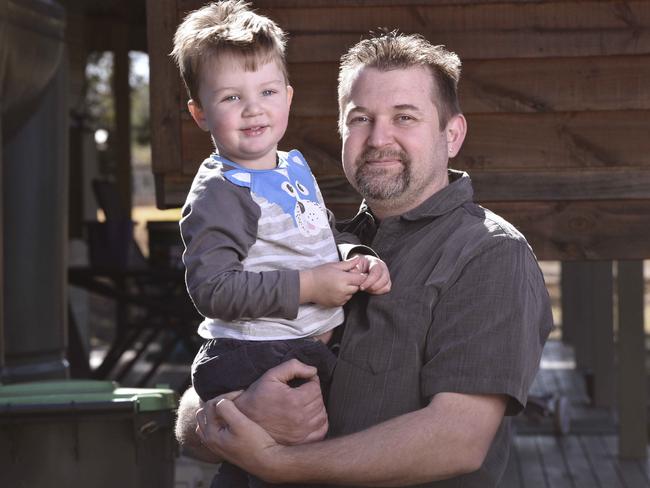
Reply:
x=375 y=183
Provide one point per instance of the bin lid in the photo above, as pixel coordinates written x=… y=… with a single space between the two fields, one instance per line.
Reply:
x=85 y=393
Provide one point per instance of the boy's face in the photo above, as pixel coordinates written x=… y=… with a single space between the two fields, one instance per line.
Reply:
x=245 y=111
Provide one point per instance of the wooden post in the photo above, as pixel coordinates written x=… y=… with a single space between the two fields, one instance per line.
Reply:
x=122 y=93
x=569 y=297
x=633 y=417
x=587 y=312
x=166 y=97
x=2 y=272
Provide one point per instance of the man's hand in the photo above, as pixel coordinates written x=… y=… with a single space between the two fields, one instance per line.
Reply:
x=234 y=437
x=331 y=284
x=289 y=415
x=377 y=280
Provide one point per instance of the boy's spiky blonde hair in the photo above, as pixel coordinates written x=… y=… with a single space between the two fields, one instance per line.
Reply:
x=228 y=27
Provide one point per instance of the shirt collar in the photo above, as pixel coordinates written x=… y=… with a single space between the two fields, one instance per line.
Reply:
x=456 y=193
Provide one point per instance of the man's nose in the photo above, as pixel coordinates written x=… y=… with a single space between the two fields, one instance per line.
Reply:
x=381 y=134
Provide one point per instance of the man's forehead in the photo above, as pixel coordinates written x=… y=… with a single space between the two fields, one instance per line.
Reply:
x=398 y=89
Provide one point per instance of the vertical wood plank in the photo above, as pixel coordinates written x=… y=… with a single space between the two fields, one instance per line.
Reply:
x=602 y=320
x=587 y=306
x=573 y=313
x=165 y=95
x=2 y=272
x=122 y=96
x=632 y=379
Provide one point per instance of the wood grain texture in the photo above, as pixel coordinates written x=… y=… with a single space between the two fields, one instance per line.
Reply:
x=509 y=85
x=579 y=141
x=475 y=30
x=165 y=92
x=582 y=230
x=187 y=5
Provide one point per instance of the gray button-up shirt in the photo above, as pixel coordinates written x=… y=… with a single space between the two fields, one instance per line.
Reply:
x=468 y=313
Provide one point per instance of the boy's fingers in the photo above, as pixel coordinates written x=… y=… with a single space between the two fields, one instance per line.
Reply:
x=348 y=264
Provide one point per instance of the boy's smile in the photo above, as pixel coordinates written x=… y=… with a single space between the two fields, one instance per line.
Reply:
x=245 y=111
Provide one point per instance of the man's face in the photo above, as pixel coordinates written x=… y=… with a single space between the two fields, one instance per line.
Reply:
x=394 y=153
x=245 y=111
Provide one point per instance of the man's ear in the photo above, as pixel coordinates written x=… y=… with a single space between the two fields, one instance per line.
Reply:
x=197 y=114
x=456 y=131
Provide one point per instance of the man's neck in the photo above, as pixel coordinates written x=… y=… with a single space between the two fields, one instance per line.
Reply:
x=383 y=209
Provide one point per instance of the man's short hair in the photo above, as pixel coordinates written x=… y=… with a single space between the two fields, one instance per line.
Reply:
x=393 y=50
x=228 y=27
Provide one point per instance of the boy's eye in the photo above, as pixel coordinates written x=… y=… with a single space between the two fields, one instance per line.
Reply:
x=267 y=93
x=231 y=98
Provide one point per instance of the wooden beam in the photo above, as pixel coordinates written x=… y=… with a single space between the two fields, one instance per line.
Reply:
x=122 y=96
x=98 y=34
x=582 y=230
x=508 y=85
x=533 y=186
x=3 y=362
x=632 y=376
x=586 y=141
x=186 y=5
x=477 y=31
x=165 y=92
x=579 y=230
x=598 y=184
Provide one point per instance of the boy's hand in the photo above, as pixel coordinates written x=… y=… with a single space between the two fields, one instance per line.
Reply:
x=377 y=280
x=331 y=284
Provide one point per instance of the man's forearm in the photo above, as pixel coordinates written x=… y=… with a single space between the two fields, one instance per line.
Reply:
x=449 y=437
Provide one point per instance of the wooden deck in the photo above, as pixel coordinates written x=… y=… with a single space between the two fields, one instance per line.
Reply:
x=586 y=457
x=572 y=461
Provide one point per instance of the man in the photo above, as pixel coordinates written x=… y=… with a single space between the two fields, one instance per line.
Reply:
x=428 y=374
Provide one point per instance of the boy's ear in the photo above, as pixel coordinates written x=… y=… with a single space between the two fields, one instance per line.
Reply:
x=197 y=114
x=289 y=95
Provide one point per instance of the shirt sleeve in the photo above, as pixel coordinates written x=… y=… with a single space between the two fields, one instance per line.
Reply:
x=218 y=226
x=489 y=327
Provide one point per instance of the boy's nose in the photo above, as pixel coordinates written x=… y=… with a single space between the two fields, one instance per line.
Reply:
x=252 y=108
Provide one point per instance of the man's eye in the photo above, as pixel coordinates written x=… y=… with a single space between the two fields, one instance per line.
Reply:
x=405 y=118
x=358 y=119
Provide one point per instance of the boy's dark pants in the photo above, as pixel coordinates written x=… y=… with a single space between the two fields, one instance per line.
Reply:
x=224 y=365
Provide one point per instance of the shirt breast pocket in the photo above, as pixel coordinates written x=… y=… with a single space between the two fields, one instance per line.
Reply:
x=388 y=332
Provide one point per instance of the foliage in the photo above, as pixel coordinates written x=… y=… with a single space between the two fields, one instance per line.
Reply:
x=100 y=106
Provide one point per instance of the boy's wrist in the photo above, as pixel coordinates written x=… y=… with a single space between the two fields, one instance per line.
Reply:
x=306 y=286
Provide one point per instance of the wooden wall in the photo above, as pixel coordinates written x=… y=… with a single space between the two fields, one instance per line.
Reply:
x=556 y=93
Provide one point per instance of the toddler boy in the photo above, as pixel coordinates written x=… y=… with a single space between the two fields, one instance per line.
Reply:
x=261 y=260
